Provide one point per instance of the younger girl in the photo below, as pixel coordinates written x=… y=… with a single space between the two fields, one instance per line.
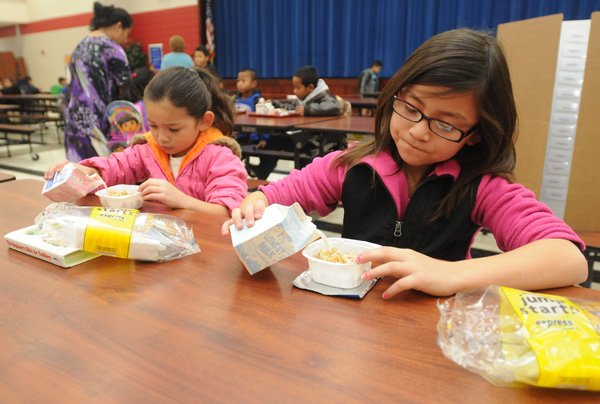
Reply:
x=185 y=163
x=438 y=170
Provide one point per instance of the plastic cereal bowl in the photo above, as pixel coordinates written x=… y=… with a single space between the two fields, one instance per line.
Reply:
x=121 y=197
x=336 y=274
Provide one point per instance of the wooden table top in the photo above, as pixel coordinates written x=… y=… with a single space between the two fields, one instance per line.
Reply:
x=202 y=329
x=276 y=123
x=346 y=124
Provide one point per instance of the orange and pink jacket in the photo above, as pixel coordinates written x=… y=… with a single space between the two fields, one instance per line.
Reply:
x=209 y=172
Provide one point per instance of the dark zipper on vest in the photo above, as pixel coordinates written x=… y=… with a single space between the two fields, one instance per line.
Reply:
x=399 y=223
x=398 y=229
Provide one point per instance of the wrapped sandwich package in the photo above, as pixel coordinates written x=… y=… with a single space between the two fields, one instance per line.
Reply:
x=513 y=337
x=123 y=233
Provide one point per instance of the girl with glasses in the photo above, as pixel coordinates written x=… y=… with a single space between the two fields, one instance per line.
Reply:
x=438 y=170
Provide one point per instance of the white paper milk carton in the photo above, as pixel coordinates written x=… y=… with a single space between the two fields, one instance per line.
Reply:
x=281 y=232
x=70 y=184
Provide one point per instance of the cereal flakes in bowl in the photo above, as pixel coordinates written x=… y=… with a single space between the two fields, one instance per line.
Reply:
x=121 y=197
x=336 y=266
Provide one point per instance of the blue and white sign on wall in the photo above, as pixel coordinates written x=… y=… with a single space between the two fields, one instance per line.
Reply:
x=155 y=50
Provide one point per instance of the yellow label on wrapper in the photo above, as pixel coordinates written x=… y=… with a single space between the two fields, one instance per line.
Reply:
x=109 y=231
x=562 y=336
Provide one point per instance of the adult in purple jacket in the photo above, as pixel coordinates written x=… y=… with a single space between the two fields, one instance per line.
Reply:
x=98 y=68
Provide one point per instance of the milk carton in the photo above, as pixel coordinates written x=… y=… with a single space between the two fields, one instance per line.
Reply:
x=281 y=232
x=70 y=184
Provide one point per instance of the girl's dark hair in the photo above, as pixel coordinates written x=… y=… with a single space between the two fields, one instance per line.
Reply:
x=307 y=75
x=463 y=60
x=222 y=104
x=134 y=90
x=183 y=88
x=106 y=16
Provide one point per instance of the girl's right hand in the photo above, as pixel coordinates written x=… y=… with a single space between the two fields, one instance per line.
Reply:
x=57 y=168
x=251 y=209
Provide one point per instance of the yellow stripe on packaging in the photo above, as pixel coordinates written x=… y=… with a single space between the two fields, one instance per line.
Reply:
x=562 y=336
x=108 y=231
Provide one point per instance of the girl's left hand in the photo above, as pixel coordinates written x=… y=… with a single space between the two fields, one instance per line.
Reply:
x=414 y=270
x=156 y=189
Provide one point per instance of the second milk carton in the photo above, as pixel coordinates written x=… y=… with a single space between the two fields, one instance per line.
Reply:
x=281 y=232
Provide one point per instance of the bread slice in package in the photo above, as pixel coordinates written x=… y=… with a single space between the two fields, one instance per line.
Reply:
x=514 y=337
x=123 y=233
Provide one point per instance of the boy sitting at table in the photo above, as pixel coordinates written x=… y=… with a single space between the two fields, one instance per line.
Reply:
x=313 y=96
x=313 y=99
x=245 y=100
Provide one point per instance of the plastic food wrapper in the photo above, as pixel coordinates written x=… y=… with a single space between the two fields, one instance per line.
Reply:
x=513 y=337
x=71 y=184
x=123 y=233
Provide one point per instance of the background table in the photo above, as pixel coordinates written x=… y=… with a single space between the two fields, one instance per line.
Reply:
x=201 y=329
x=359 y=103
x=344 y=125
x=278 y=126
x=249 y=124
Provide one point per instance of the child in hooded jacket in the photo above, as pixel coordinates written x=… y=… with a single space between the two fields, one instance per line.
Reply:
x=187 y=161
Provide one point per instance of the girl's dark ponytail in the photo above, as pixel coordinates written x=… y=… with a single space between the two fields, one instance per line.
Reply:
x=222 y=104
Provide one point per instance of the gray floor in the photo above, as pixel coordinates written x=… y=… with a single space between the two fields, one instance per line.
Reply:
x=21 y=165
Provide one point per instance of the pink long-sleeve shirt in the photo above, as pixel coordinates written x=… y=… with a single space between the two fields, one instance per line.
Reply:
x=510 y=211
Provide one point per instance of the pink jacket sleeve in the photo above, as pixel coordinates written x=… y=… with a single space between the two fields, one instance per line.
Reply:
x=316 y=187
x=226 y=177
x=126 y=167
x=515 y=216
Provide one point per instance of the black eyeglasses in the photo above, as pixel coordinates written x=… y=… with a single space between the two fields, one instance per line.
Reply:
x=440 y=128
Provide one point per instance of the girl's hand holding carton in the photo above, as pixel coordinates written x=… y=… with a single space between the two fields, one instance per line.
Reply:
x=153 y=189
x=59 y=167
x=251 y=209
x=67 y=182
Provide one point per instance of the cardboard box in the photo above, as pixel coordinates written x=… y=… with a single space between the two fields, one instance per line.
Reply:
x=30 y=240
x=531 y=47
x=281 y=232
